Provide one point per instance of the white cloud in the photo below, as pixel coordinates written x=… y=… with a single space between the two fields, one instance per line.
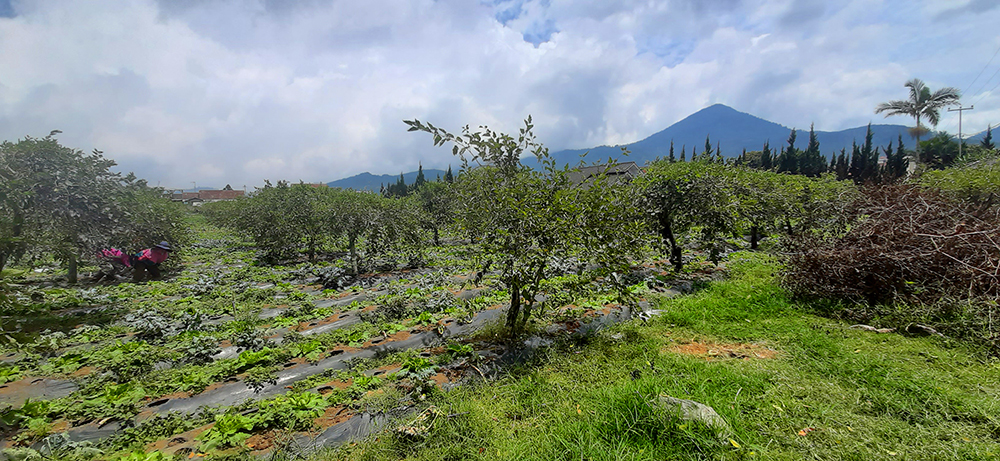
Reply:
x=232 y=91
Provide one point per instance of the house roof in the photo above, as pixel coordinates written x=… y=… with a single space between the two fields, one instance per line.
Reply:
x=616 y=172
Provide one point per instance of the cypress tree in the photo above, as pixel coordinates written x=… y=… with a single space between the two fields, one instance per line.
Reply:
x=812 y=162
x=694 y=154
x=789 y=162
x=842 y=165
x=857 y=163
x=400 y=186
x=885 y=169
x=987 y=141
x=420 y=176
x=708 y=149
x=671 y=158
x=718 y=154
x=448 y=177
x=765 y=156
x=896 y=163
x=870 y=154
x=682 y=153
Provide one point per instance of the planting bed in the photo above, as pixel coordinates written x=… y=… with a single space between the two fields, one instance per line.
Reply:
x=225 y=356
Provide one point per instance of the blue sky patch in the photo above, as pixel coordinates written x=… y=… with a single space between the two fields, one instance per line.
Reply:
x=6 y=9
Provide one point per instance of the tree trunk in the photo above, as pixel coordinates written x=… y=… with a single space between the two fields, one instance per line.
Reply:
x=675 y=251
x=354 y=256
x=437 y=242
x=754 y=237
x=788 y=226
x=312 y=249
x=71 y=275
x=515 y=307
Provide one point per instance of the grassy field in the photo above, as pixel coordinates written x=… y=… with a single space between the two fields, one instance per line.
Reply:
x=791 y=385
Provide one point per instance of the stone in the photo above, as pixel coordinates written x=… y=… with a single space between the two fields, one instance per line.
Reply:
x=689 y=410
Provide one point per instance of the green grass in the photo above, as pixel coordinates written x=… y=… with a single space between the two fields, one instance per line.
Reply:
x=868 y=396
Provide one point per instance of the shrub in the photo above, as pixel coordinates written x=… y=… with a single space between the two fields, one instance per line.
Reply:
x=905 y=243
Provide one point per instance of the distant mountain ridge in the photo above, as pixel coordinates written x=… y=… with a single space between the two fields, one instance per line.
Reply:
x=731 y=131
x=727 y=128
x=368 y=181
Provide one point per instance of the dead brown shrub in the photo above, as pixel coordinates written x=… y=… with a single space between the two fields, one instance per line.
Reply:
x=905 y=243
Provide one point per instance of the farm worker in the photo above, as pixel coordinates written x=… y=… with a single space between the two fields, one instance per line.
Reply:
x=149 y=260
x=115 y=261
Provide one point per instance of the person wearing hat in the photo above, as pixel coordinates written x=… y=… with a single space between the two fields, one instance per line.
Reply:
x=149 y=260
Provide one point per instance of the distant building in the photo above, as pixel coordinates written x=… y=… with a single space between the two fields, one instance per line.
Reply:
x=617 y=173
x=205 y=195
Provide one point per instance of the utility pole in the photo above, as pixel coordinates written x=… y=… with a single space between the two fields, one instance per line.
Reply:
x=960 y=110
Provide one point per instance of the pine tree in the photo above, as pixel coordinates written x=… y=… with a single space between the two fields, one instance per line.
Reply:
x=812 y=163
x=842 y=168
x=682 y=153
x=448 y=177
x=694 y=154
x=400 y=187
x=718 y=154
x=671 y=158
x=765 y=157
x=987 y=141
x=708 y=149
x=870 y=154
x=857 y=163
x=420 y=177
x=896 y=163
x=789 y=162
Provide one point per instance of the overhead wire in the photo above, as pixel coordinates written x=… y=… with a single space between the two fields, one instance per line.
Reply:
x=984 y=70
x=988 y=92
x=951 y=123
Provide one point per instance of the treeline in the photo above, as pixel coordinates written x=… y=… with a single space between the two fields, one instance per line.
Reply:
x=401 y=189
x=863 y=164
x=58 y=202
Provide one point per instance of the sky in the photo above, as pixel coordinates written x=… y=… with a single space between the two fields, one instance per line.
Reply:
x=215 y=92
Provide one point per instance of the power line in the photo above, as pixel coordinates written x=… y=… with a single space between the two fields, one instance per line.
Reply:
x=991 y=91
x=987 y=82
x=984 y=69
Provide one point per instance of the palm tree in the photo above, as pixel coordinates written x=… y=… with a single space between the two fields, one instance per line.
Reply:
x=922 y=103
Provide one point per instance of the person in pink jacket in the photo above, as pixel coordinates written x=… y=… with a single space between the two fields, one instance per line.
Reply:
x=112 y=262
x=149 y=260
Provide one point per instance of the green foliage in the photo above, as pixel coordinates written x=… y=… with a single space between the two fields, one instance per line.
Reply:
x=126 y=361
x=417 y=367
x=230 y=429
x=525 y=218
x=679 y=196
x=293 y=411
x=57 y=200
x=922 y=103
x=31 y=412
x=281 y=219
x=939 y=152
x=140 y=455
x=436 y=201
x=977 y=184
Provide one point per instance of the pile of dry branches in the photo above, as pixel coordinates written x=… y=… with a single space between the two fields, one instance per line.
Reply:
x=905 y=243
